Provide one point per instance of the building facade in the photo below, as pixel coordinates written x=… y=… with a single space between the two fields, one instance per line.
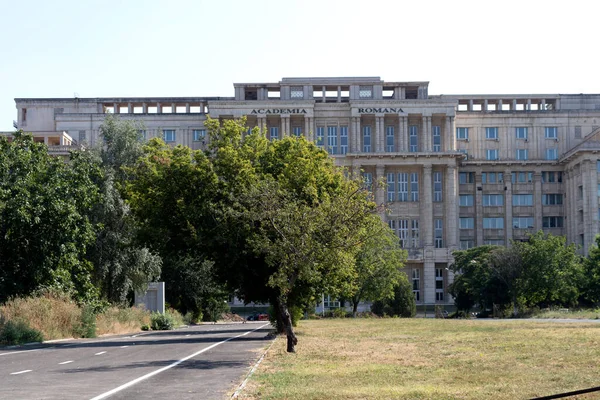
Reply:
x=454 y=171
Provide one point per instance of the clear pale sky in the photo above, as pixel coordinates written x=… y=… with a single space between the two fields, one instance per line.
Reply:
x=200 y=48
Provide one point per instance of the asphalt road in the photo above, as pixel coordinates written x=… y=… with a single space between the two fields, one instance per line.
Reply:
x=200 y=362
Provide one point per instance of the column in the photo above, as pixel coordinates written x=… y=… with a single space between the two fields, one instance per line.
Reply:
x=405 y=133
x=129 y=108
x=339 y=92
x=448 y=135
x=537 y=200
x=187 y=108
x=145 y=108
x=485 y=105
x=356 y=168
x=427 y=134
x=500 y=105
x=429 y=281
x=508 y=210
x=478 y=211
x=401 y=145
x=355 y=139
x=173 y=108
x=306 y=127
x=427 y=207
x=378 y=134
x=451 y=205
x=380 y=189
x=324 y=91
x=158 y=108
x=285 y=120
x=402 y=93
x=116 y=108
x=593 y=206
x=589 y=190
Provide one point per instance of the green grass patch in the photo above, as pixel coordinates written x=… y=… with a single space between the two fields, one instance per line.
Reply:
x=430 y=359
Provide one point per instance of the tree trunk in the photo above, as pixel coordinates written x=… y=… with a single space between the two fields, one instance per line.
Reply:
x=292 y=341
x=354 y=308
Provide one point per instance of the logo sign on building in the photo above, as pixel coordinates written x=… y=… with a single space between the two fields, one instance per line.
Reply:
x=279 y=111
x=380 y=110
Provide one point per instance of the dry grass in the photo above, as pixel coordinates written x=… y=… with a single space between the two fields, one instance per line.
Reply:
x=116 y=320
x=431 y=359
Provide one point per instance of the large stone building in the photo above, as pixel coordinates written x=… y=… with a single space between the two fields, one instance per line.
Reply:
x=461 y=170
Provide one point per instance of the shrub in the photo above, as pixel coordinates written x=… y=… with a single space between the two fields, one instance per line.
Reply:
x=192 y=317
x=18 y=332
x=402 y=305
x=86 y=328
x=167 y=321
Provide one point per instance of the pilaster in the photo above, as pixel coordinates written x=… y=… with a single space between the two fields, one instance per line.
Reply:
x=537 y=200
x=427 y=207
x=508 y=209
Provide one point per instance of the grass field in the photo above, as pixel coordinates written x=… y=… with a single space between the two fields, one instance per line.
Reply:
x=431 y=359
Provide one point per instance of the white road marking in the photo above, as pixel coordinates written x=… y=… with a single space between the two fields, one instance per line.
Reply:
x=122 y=347
x=65 y=362
x=158 y=371
x=187 y=335
x=102 y=352
x=21 y=351
x=21 y=372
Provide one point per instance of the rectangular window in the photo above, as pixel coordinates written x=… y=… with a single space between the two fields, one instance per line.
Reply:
x=414 y=233
x=521 y=132
x=550 y=132
x=199 y=134
x=332 y=147
x=416 y=283
x=522 y=154
x=389 y=139
x=414 y=186
x=466 y=223
x=491 y=133
x=491 y=154
x=320 y=136
x=439 y=284
x=413 y=139
x=466 y=244
x=493 y=223
x=437 y=139
x=522 y=200
x=466 y=177
x=297 y=131
x=437 y=187
x=492 y=177
x=466 y=200
x=169 y=135
x=343 y=139
x=403 y=233
x=365 y=92
x=523 y=222
x=551 y=154
x=462 y=133
x=491 y=200
x=274 y=133
x=551 y=176
x=552 y=222
x=553 y=199
x=368 y=179
x=522 y=177
x=438 y=233
x=391 y=187
x=403 y=186
x=494 y=242
x=366 y=139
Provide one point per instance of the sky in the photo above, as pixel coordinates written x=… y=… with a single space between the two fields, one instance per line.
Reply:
x=136 y=48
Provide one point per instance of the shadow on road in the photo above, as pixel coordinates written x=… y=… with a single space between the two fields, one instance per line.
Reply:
x=189 y=364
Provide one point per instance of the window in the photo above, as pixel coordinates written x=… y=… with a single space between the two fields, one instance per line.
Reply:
x=368 y=179
x=494 y=242
x=389 y=139
x=403 y=233
x=416 y=283
x=366 y=139
x=297 y=92
x=522 y=200
x=403 y=186
x=437 y=187
x=491 y=154
x=466 y=223
x=141 y=136
x=414 y=233
x=490 y=200
x=437 y=139
x=522 y=154
x=550 y=132
x=552 y=176
x=391 y=186
x=365 y=92
x=552 y=222
x=438 y=233
x=343 y=139
x=466 y=244
x=552 y=199
x=466 y=177
x=522 y=177
x=551 y=154
x=273 y=133
x=169 y=135
x=462 y=133
x=523 y=222
x=493 y=223
x=413 y=139
x=414 y=186
x=580 y=192
x=320 y=136
x=492 y=177
x=439 y=284
x=199 y=134
x=332 y=147
x=297 y=131
x=466 y=200
x=521 y=133
x=491 y=133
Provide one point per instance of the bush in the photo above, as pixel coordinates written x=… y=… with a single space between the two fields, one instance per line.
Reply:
x=86 y=328
x=167 y=321
x=402 y=305
x=19 y=332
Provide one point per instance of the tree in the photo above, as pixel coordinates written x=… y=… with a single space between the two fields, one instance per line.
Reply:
x=591 y=287
x=378 y=265
x=402 y=303
x=44 y=229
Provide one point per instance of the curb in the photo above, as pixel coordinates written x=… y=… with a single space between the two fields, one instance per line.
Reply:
x=243 y=384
